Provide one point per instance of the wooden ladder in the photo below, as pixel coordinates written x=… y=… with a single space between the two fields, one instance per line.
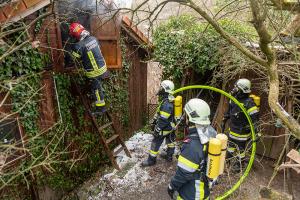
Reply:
x=105 y=142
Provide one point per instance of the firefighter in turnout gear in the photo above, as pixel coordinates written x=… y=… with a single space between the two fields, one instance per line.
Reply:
x=190 y=180
x=163 y=125
x=239 y=128
x=87 y=49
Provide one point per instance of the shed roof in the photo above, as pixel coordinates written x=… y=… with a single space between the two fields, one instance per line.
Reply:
x=137 y=35
x=15 y=10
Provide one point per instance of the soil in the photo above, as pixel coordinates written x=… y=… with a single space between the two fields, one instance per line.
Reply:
x=150 y=183
x=249 y=190
x=155 y=187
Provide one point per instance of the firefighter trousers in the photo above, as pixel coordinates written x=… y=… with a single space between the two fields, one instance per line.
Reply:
x=97 y=91
x=237 y=148
x=158 y=140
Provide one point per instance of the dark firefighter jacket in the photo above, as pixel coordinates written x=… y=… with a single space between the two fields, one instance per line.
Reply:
x=165 y=116
x=189 y=180
x=239 y=126
x=88 y=50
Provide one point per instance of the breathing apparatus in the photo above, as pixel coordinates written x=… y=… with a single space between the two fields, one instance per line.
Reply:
x=236 y=185
x=178 y=108
x=205 y=133
x=166 y=89
x=198 y=112
x=241 y=87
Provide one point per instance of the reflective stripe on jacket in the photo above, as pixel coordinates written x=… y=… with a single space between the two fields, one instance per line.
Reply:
x=88 y=50
x=165 y=119
x=188 y=180
x=239 y=126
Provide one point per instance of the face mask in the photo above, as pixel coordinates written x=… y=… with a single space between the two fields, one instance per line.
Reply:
x=205 y=133
x=234 y=91
x=161 y=92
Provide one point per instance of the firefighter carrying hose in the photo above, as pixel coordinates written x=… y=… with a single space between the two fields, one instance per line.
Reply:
x=239 y=128
x=163 y=125
x=190 y=180
x=87 y=49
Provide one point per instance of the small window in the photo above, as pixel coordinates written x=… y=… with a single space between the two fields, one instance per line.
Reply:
x=11 y=142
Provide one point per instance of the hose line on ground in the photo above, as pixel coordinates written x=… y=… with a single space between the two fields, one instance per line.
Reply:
x=245 y=174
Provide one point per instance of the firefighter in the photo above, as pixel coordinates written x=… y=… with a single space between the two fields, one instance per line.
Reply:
x=87 y=49
x=239 y=128
x=163 y=125
x=190 y=180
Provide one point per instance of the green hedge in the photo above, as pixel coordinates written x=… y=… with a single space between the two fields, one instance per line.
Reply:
x=183 y=42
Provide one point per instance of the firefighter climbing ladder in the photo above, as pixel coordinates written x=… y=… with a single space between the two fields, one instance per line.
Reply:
x=105 y=142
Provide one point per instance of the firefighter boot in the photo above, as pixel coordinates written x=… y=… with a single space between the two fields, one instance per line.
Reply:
x=149 y=162
x=168 y=156
x=236 y=167
x=99 y=110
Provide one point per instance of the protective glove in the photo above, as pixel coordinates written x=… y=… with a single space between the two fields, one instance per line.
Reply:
x=171 y=191
x=157 y=131
x=212 y=183
x=153 y=124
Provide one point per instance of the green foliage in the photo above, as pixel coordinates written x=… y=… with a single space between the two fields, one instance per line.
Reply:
x=180 y=44
x=85 y=139
x=184 y=43
x=24 y=61
x=66 y=174
x=38 y=24
x=25 y=98
x=116 y=89
x=66 y=101
x=73 y=137
x=24 y=66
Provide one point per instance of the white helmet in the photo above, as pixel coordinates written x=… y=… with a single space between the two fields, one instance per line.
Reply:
x=244 y=85
x=168 y=86
x=198 y=111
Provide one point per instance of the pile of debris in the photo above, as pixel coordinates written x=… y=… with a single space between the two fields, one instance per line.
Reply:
x=132 y=178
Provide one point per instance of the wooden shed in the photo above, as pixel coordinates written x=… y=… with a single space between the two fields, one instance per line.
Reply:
x=108 y=29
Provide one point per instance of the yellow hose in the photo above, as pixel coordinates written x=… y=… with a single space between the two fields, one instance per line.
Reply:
x=242 y=178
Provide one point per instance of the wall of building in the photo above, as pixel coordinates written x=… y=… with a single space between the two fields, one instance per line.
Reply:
x=137 y=86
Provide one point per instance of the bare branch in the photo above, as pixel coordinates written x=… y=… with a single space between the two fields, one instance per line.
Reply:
x=284 y=5
x=259 y=16
x=224 y=34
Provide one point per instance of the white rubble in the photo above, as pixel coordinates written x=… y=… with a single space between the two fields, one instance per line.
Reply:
x=132 y=176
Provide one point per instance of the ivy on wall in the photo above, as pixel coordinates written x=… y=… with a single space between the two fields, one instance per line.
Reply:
x=81 y=133
x=73 y=137
x=23 y=68
x=116 y=89
x=24 y=61
x=20 y=76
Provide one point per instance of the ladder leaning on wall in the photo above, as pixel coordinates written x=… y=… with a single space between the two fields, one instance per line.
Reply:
x=110 y=123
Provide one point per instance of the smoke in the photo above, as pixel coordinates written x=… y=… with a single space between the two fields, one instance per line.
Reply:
x=83 y=11
x=97 y=16
x=123 y=3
